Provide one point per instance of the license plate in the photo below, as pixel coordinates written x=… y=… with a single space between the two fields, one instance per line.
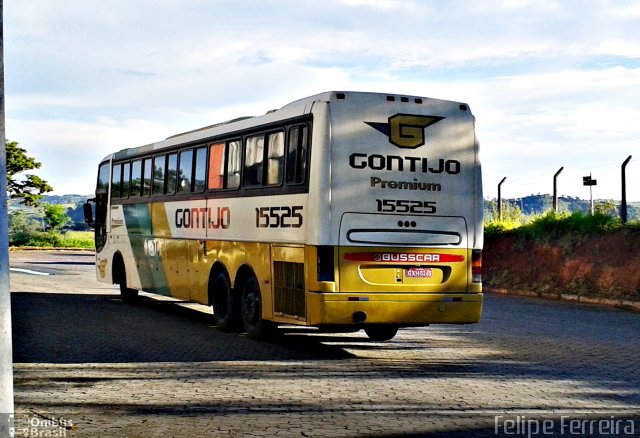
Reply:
x=419 y=272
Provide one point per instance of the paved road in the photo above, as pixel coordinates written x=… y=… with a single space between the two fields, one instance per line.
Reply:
x=88 y=365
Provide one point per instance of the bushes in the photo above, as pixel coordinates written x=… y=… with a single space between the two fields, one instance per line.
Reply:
x=553 y=226
x=26 y=229
x=54 y=239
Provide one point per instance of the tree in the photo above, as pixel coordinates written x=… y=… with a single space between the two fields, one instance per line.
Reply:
x=607 y=207
x=28 y=187
x=56 y=215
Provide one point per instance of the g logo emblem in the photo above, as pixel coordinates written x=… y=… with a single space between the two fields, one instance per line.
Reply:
x=406 y=130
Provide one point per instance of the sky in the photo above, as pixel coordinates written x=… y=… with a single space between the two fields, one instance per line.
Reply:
x=551 y=83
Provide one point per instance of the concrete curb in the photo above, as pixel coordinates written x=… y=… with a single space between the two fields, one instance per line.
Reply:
x=48 y=248
x=572 y=298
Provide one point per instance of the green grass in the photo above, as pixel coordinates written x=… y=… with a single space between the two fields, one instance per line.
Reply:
x=78 y=239
x=550 y=226
x=54 y=239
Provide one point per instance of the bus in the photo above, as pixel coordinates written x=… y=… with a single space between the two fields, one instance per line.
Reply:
x=341 y=211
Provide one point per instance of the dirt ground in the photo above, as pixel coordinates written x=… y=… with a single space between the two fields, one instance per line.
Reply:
x=604 y=266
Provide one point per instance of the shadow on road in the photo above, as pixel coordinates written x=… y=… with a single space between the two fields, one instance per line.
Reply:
x=66 y=328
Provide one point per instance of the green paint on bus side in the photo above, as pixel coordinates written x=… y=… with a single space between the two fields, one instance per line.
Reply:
x=146 y=249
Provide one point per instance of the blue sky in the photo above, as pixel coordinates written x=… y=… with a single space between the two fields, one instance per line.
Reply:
x=551 y=83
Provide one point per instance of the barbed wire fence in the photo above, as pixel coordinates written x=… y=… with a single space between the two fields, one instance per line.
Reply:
x=583 y=182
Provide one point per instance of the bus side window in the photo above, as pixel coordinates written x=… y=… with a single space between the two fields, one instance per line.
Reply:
x=172 y=174
x=233 y=164
x=116 y=181
x=200 y=170
x=275 y=158
x=136 y=178
x=254 y=161
x=216 y=166
x=297 y=154
x=185 y=171
x=146 y=180
x=126 y=175
x=158 y=174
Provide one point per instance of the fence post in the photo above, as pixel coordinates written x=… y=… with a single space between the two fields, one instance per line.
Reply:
x=555 y=190
x=623 y=203
x=500 y=198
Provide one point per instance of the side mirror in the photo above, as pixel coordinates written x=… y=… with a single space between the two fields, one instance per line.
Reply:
x=88 y=213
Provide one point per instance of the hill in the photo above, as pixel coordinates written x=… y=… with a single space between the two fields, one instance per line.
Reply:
x=538 y=204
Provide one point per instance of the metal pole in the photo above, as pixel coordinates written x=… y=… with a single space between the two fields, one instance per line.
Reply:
x=623 y=203
x=591 y=196
x=500 y=198
x=6 y=355
x=555 y=190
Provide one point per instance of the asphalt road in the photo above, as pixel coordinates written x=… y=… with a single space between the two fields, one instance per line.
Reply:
x=86 y=364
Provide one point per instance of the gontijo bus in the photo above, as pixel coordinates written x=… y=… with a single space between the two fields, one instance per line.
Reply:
x=341 y=210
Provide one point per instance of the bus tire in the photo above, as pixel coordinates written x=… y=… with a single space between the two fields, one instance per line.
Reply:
x=254 y=325
x=128 y=295
x=381 y=332
x=120 y=276
x=226 y=309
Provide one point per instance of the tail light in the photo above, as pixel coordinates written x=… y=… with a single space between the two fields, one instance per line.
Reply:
x=476 y=266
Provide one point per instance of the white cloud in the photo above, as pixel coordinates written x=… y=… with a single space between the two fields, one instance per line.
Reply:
x=385 y=5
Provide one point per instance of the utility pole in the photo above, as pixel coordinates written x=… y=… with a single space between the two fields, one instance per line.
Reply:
x=500 y=198
x=623 y=203
x=6 y=354
x=555 y=190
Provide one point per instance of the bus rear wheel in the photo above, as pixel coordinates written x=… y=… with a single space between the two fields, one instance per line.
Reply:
x=225 y=306
x=381 y=332
x=254 y=325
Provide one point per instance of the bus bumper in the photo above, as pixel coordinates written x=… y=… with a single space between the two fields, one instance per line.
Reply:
x=390 y=308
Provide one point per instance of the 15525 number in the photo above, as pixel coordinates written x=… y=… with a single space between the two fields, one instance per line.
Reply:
x=279 y=217
x=406 y=206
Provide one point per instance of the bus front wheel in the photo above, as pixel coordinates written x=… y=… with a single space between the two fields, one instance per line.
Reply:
x=128 y=295
x=254 y=325
x=381 y=332
x=225 y=305
x=120 y=276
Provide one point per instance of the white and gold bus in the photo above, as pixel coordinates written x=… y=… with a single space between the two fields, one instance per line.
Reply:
x=343 y=210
